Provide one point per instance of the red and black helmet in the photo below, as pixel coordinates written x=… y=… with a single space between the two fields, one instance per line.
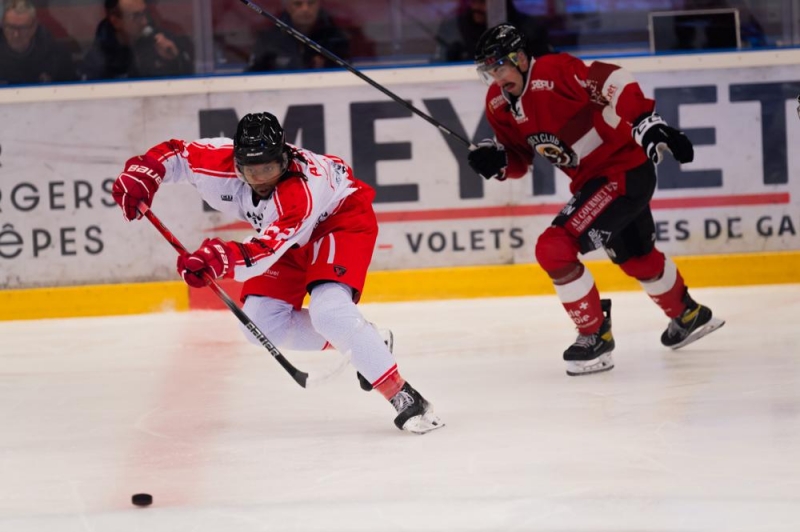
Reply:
x=498 y=46
x=497 y=43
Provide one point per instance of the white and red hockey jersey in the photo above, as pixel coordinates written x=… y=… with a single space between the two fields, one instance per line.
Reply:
x=299 y=203
x=579 y=118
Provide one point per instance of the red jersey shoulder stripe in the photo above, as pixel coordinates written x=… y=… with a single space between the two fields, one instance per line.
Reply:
x=207 y=159
x=288 y=191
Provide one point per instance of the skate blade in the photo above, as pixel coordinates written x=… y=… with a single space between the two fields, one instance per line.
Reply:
x=423 y=424
x=576 y=368
x=712 y=325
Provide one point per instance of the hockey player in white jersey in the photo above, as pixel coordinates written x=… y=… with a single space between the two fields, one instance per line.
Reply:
x=316 y=232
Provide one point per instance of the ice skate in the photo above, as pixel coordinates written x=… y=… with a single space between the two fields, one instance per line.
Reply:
x=693 y=323
x=591 y=353
x=388 y=339
x=414 y=413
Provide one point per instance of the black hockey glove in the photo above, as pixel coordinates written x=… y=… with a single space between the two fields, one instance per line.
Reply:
x=488 y=159
x=655 y=136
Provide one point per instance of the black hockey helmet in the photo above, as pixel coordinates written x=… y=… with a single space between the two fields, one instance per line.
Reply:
x=497 y=46
x=259 y=139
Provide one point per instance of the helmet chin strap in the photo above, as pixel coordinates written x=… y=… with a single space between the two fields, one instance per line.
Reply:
x=531 y=60
x=524 y=77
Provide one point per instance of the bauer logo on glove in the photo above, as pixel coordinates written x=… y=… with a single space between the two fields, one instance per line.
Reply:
x=212 y=259
x=136 y=184
x=146 y=170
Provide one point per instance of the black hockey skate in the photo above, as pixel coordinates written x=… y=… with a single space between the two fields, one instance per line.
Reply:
x=388 y=339
x=414 y=413
x=591 y=353
x=693 y=323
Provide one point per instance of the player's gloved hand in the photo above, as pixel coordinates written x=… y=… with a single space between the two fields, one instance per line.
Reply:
x=655 y=136
x=214 y=257
x=488 y=159
x=137 y=182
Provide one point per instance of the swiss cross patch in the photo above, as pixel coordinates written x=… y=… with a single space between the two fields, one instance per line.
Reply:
x=340 y=270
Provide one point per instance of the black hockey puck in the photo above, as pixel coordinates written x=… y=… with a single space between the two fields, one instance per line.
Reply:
x=142 y=499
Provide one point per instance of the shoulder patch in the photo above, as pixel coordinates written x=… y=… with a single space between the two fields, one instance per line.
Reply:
x=497 y=101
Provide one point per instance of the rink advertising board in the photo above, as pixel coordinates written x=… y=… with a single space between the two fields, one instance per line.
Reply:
x=59 y=225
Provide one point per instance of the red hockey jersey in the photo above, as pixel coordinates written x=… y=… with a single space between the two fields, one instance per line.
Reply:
x=578 y=117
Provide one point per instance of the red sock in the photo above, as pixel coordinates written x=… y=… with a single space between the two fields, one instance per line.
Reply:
x=667 y=291
x=389 y=383
x=581 y=300
x=671 y=302
x=586 y=312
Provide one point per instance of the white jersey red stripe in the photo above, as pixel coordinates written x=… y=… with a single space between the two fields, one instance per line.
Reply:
x=314 y=189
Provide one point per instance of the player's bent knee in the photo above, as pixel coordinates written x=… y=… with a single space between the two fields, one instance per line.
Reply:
x=557 y=251
x=646 y=267
x=333 y=313
x=271 y=316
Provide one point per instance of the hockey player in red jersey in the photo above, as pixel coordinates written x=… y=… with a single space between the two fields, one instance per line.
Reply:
x=316 y=232
x=593 y=123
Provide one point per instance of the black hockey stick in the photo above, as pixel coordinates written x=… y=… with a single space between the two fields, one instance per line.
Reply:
x=342 y=63
x=300 y=377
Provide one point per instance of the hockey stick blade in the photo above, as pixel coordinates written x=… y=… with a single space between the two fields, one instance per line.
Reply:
x=300 y=377
x=347 y=66
x=315 y=379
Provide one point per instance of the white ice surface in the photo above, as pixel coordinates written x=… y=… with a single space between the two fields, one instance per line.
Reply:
x=182 y=407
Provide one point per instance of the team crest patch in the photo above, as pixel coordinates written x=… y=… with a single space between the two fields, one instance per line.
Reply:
x=554 y=150
x=339 y=270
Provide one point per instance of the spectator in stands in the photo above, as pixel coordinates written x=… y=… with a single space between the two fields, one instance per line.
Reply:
x=457 y=35
x=276 y=50
x=28 y=52
x=127 y=46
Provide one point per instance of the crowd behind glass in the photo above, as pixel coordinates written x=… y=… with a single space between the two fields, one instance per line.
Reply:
x=47 y=41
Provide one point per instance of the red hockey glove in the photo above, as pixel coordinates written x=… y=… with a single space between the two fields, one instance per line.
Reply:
x=488 y=159
x=655 y=136
x=138 y=182
x=214 y=257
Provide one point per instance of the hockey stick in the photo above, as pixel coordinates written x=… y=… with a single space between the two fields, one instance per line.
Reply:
x=342 y=63
x=300 y=377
